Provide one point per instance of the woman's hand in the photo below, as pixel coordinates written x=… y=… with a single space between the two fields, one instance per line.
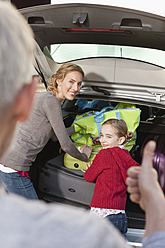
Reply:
x=86 y=149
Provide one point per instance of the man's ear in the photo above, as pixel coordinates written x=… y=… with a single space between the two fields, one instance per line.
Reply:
x=24 y=100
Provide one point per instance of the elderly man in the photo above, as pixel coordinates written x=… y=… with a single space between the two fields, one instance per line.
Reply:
x=17 y=87
x=30 y=223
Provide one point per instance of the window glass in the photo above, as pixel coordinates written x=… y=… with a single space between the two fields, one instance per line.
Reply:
x=62 y=53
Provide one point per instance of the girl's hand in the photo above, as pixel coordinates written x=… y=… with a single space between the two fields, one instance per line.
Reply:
x=87 y=166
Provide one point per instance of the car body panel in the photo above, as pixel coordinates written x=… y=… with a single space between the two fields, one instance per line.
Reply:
x=157 y=7
x=132 y=27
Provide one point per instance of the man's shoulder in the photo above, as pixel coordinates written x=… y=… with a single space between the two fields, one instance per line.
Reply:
x=24 y=214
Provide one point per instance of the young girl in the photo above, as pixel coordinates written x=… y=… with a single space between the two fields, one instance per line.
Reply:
x=109 y=170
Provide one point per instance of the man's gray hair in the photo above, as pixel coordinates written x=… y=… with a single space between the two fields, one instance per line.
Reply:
x=16 y=53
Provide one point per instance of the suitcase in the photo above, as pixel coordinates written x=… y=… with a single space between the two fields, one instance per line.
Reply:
x=73 y=163
x=159 y=156
x=59 y=181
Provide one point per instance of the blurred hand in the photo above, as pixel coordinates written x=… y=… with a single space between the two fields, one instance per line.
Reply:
x=142 y=181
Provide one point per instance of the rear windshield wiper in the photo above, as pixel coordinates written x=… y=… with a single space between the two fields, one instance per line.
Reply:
x=98 y=89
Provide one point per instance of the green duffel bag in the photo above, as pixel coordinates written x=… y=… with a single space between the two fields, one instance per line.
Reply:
x=88 y=125
x=73 y=163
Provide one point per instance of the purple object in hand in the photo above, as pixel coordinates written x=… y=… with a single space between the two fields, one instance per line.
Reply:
x=159 y=159
x=159 y=156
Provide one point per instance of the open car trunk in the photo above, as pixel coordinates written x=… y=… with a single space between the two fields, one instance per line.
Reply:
x=129 y=67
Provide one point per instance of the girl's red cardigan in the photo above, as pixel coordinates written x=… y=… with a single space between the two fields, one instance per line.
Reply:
x=109 y=170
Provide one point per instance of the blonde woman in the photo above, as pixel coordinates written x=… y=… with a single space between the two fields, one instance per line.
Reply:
x=45 y=122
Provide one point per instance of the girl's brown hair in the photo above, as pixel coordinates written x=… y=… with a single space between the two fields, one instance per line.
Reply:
x=61 y=73
x=120 y=127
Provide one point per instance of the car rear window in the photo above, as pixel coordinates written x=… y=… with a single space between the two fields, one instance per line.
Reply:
x=62 y=53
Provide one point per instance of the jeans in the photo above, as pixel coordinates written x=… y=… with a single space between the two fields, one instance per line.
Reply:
x=15 y=183
x=119 y=221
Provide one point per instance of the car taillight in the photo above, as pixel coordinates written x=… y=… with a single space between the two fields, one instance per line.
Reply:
x=95 y=30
